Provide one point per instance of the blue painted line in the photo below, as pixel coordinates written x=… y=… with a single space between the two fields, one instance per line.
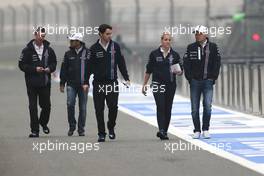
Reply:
x=249 y=146
x=246 y=145
x=177 y=110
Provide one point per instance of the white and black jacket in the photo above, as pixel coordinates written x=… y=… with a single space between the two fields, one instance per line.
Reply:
x=74 y=68
x=201 y=63
x=29 y=60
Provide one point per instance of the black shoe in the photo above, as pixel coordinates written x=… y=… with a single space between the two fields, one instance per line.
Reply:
x=112 y=134
x=46 y=129
x=101 y=138
x=159 y=134
x=81 y=134
x=70 y=133
x=162 y=135
x=33 y=135
x=166 y=136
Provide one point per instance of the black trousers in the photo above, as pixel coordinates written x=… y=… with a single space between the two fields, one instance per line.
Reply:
x=41 y=95
x=163 y=96
x=105 y=92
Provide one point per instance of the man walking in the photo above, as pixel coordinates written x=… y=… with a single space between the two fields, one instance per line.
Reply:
x=74 y=73
x=201 y=64
x=38 y=61
x=106 y=56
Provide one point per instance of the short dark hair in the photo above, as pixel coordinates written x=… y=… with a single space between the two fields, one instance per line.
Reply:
x=103 y=27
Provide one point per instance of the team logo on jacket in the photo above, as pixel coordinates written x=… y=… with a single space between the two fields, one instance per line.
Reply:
x=159 y=59
x=35 y=57
x=100 y=54
x=193 y=55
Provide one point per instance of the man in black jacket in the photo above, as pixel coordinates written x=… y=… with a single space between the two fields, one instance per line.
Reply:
x=106 y=56
x=74 y=72
x=201 y=64
x=38 y=61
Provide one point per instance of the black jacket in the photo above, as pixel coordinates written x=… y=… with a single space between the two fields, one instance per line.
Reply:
x=160 y=66
x=194 y=67
x=29 y=60
x=74 y=68
x=104 y=63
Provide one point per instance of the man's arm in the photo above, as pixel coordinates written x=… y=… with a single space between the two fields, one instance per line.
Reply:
x=187 y=65
x=90 y=63
x=53 y=61
x=24 y=63
x=122 y=65
x=87 y=67
x=63 y=71
x=217 y=63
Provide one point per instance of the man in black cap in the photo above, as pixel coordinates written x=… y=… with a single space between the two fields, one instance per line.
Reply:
x=38 y=61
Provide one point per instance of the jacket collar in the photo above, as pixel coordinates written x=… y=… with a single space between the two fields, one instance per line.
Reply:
x=109 y=44
x=31 y=44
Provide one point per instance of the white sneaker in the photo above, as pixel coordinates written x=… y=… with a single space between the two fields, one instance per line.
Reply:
x=206 y=135
x=196 y=135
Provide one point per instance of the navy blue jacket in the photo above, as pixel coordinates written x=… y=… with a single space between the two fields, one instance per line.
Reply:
x=29 y=60
x=159 y=66
x=194 y=67
x=103 y=64
x=74 y=68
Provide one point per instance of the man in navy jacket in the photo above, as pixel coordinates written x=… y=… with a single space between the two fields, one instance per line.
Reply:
x=201 y=66
x=106 y=57
x=38 y=61
x=74 y=72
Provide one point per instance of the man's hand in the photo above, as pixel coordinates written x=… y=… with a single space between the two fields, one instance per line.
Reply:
x=47 y=70
x=85 y=87
x=40 y=69
x=144 y=90
x=62 y=88
x=179 y=73
x=127 y=83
